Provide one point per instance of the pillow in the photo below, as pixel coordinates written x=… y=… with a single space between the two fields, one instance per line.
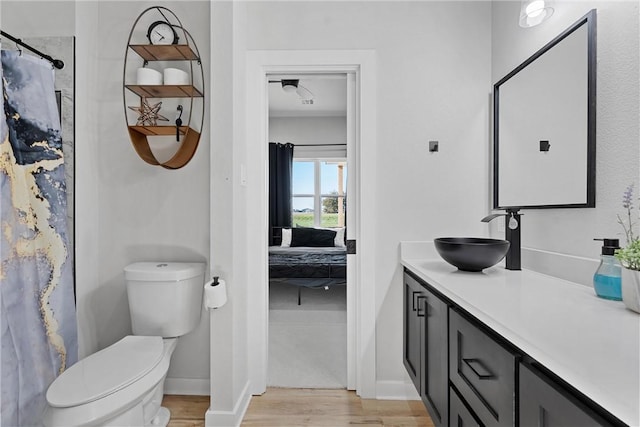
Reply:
x=340 y=237
x=312 y=237
x=286 y=238
x=339 y=241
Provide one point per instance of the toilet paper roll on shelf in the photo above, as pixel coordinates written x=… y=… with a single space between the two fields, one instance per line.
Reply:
x=215 y=293
x=175 y=76
x=148 y=76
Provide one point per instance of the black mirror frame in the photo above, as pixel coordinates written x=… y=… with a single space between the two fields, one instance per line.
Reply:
x=590 y=20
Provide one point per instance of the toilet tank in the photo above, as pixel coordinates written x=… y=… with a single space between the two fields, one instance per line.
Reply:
x=165 y=298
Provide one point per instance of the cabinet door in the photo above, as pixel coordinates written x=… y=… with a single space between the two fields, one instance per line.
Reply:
x=413 y=327
x=543 y=405
x=460 y=416
x=482 y=371
x=435 y=382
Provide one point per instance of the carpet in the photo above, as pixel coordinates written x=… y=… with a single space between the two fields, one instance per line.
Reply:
x=307 y=342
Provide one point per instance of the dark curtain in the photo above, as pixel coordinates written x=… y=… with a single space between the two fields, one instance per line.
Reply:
x=280 y=175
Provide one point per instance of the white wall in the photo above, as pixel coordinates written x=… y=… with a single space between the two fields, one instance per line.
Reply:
x=146 y=213
x=433 y=71
x=126 y=210
x=308 y=130
x=571 y=231
x=24 y=19
x=302 y=131
x=228 y=364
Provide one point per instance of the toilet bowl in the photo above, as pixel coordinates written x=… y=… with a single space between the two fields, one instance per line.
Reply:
x=123 y=384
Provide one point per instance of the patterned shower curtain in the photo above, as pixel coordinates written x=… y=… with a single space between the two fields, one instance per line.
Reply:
x=37 y=308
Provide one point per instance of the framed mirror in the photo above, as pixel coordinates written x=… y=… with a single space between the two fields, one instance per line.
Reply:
x=545 y=125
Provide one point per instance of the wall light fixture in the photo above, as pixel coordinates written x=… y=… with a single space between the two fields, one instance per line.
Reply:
x=534 y=12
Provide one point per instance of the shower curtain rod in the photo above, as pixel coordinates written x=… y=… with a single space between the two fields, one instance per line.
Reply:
x=55 y=62
x=319 y=145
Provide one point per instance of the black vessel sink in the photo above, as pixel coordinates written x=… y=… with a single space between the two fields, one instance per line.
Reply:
x=471 y=253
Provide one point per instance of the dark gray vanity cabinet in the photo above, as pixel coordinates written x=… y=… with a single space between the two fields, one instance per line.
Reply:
x=469 y=375
x=543 y=404
x=482 y=371
x=425 y=347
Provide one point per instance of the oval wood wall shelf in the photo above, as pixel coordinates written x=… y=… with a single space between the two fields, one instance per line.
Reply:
x=142 y=131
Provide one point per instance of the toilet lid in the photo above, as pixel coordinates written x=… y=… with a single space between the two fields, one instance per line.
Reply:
x=106 y=371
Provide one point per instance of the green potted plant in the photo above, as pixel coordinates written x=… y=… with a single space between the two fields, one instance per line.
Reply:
x=629 y=256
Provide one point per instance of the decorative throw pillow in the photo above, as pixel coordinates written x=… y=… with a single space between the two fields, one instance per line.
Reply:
x=340 y=237
x=312 y=237
x=286 y=238
x=339 y=241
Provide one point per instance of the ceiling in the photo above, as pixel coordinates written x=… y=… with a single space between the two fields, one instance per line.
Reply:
x=329 y=96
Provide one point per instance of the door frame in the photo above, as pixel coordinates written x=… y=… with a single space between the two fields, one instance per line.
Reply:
x=362 y=149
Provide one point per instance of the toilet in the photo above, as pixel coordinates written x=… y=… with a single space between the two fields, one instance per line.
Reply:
x=123 y=384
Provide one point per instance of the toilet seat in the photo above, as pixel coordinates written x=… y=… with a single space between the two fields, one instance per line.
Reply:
x=107 y=371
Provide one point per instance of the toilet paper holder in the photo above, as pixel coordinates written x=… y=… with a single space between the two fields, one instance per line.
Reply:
x=215 y=293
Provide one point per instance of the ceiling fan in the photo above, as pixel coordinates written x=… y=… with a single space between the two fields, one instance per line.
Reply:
x=294 y=86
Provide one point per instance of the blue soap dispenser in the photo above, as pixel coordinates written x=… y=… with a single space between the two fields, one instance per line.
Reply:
x=607 y=279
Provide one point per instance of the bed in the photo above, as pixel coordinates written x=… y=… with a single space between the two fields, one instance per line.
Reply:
x=308 y=258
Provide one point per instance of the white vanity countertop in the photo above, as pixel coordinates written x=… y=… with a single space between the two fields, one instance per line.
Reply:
x=592 y=343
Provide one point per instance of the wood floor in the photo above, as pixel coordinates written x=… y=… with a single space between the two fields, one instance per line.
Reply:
x=285 y=407
x=186 y=411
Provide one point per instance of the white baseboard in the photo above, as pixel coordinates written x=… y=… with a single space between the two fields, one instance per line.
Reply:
x=568 y=267
x=187 y=386
x=229 y=418
x=396 y=390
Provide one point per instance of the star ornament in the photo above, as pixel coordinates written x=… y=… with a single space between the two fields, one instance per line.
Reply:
x=148 y=113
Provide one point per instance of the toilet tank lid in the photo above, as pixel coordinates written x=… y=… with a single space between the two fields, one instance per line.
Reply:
x=163 y=271
x=106 y=371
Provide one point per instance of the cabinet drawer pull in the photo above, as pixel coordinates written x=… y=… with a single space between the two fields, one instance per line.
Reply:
x=413 y=296
x=421 y=305
x=480 y=370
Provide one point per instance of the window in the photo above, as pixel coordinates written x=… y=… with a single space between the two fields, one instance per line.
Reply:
x=319 y=193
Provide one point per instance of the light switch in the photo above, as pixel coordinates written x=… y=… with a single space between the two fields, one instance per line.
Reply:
x=243 y=175
x=433 y=146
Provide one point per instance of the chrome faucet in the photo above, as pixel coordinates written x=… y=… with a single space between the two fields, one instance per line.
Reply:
x=512 y=235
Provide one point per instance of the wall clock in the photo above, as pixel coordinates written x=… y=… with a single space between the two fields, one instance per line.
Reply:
x=161 y=32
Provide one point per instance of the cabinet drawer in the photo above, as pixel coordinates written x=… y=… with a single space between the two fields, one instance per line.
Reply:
x=458 y=413
x=543 y=404
x=483 y=371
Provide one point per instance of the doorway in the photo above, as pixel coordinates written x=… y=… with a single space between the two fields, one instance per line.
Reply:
x=308 y=175
x=359 y=66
